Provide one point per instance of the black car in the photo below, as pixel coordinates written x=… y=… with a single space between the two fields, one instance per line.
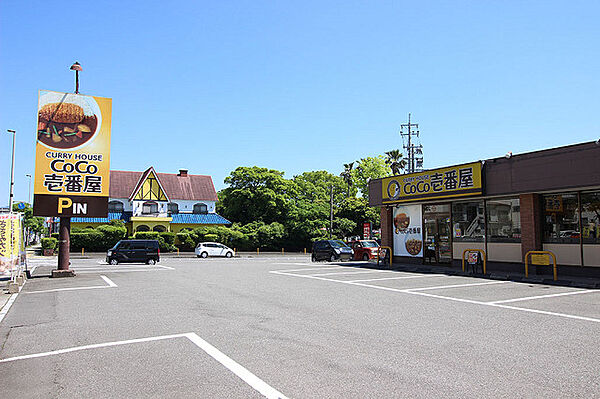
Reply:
x=145 y=251
x=331 y=250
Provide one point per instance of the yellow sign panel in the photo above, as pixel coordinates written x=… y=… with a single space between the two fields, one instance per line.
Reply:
x=453 y=181
x=72 y=156
x=540 y=259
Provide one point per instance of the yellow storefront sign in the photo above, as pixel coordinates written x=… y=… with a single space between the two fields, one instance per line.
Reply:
x=72 y=156
x=453 y=181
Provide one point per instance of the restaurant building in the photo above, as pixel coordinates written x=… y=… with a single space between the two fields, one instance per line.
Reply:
x=151 y=201
x=543 y=200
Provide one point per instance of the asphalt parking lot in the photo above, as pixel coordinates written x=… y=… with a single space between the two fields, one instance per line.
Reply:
x=282 y=326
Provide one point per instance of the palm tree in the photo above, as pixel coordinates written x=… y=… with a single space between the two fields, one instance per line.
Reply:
x=347 y=175
x=395 y=160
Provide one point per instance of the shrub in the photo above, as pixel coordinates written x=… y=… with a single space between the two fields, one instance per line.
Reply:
x=49 y=243
x=168 y=237
x=146 y=235
x=90 y=240
x=110 y=235
x=185 y=242
x=211 y=237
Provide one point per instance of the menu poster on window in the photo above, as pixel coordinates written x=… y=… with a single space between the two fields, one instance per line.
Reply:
x=408 y=236
x=72 y=155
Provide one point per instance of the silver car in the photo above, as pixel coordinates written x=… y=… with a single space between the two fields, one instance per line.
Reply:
x=206 y=249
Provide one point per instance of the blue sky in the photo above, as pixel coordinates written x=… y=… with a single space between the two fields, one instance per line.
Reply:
x=300 y=86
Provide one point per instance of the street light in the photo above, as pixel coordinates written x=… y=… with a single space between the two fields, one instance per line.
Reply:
x=12 y=172
x=76 y=67
x=29 y=197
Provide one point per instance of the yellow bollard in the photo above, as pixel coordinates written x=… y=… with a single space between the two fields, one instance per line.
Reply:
x=257 y=251
x=235 y=251
x=304 y=251
x=178 y=252
x=82 y=251
x=282 y=251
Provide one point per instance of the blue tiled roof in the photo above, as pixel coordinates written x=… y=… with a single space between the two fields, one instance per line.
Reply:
x=181 y=218
x=124 y=216
x=194 y=218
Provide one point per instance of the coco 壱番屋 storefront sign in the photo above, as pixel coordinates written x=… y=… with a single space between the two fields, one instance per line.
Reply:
x=449 y=182
x=72 y=162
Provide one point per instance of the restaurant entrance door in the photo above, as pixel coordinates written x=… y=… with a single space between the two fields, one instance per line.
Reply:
x=438 y=233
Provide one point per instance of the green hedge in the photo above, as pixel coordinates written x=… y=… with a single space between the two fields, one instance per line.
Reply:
x=49 y=243
x=99 y=239
x=146 y=235
x=185 y=241
x=163 y=243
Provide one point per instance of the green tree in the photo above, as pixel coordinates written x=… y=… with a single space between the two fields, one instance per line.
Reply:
x=395 y=161
x=347 y=175
x=366 y=169
x=31 y=224
x=310 y=212
x=358 y=211
x=255 y=194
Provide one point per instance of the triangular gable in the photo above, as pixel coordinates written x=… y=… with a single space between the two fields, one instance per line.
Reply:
x=149 y=188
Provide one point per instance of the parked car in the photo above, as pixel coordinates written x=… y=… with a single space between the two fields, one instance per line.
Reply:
x=365 y=249
x=331 y=250
x=206 y=249
x=146 y=251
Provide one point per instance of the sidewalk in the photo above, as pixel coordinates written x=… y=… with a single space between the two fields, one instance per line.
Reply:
x=568 y=281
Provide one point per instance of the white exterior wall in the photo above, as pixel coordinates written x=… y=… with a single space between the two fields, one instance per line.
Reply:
x=127 y=206
x=185 y=206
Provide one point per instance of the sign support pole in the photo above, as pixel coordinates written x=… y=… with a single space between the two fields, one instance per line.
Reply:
x=64 y=238
x=64 y=244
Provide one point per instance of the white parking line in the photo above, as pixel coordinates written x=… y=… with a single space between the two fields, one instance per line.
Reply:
x=527 y=298
x=395 y=278
x=412 y=292
x=236 y=368
x=7 y=306
x=295 y=264
x=110 y=283
x=441 y=287
x=165 y=267
x=312 y=268
x=243 y=373
x=359 y=272
x=119 y=271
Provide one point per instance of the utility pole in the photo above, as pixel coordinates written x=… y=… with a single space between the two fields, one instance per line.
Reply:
x=29 y=196
x=414 y=152
x=12 y=173
x=331 y=213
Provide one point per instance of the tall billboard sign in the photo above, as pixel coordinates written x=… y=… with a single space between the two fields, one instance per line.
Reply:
x=72 y=155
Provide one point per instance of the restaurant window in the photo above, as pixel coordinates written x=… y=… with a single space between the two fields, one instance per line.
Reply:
x=504 y=220
x=200 y=208
x=115 y=206
x=468 y=221
x=173 y=208
x=149 y=208
x=561 y=218
x=590 y=217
